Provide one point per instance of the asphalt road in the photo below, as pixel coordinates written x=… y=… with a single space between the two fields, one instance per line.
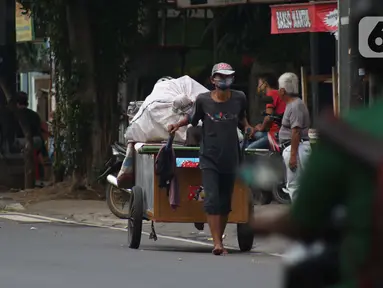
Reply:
x=54 y=255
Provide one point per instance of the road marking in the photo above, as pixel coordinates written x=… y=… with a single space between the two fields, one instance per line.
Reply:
x=276 y=255
x=21 y=218
x=45 y=219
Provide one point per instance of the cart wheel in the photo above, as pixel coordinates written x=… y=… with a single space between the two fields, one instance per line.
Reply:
x=245 y=235
x=136 y=206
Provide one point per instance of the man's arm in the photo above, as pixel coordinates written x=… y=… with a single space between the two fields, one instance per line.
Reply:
x=296 y=120
x=196 y=115
x=295 y=140
x=242 y=115
x=265 y=126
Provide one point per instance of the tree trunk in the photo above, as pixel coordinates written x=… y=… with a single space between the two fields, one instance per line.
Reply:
x=81 y=45
x=108 y=113
x=107 y=61
x=107 y=120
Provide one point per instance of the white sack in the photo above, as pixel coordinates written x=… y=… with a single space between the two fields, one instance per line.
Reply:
x=158 y=110
x=133 y=109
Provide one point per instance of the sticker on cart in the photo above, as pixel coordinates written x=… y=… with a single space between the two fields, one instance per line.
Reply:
x=196 y=193
x=187 y=162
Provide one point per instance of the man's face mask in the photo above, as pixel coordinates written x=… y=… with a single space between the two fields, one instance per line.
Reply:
x=223 y=83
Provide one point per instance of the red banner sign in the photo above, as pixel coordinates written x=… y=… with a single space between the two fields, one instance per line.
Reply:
x=310 y=17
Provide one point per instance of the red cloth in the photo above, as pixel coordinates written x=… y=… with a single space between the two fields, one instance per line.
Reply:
x=278 y=105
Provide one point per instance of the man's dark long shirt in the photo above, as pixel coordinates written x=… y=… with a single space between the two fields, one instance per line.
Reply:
x=219 y=149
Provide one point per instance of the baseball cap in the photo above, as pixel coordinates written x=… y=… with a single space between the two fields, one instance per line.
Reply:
x=222 y=68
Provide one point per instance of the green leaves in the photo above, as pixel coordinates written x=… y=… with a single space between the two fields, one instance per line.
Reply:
x=116 y=31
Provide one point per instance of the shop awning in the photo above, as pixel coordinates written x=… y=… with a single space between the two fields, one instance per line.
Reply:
x=304 y=17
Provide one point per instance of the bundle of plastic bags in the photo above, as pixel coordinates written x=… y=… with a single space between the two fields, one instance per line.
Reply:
x=133 y=108
x=168 y=103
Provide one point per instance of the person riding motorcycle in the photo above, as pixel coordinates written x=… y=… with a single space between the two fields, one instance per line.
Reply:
x=274 y=107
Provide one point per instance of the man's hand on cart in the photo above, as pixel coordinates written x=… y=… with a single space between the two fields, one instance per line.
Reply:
x=172 y=128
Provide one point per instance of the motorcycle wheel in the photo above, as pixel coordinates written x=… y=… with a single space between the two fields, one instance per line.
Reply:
x=112 y=194
x=280 y=196
x=262 y=197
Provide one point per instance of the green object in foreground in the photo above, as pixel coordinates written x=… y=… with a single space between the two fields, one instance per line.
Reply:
x=332 y=178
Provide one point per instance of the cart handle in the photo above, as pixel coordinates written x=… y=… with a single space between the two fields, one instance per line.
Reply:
x=169 y=143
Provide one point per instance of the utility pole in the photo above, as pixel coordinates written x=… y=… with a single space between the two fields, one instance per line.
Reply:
x=314 y=69
x=351 y=66
x=357 y=72
x=343 y=56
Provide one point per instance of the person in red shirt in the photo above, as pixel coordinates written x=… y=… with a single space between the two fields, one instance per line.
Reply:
x=276 y=107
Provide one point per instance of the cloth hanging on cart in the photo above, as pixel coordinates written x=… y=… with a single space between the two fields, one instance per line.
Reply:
x=165 y=167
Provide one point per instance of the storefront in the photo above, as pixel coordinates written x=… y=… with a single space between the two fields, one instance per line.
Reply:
x=307 y=17
x=312 y=17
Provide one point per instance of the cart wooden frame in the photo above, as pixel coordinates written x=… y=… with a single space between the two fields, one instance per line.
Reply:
x=149 y=202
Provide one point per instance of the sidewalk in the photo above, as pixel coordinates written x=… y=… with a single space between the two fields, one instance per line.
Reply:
x=97 y=213
x=83 y=211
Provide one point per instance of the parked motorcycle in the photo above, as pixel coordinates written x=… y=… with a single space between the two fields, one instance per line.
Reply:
x=116 y=198
x=264 y=170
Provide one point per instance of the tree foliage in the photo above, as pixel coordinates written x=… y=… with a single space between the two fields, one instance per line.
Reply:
x=91 y=44
x=32 y=57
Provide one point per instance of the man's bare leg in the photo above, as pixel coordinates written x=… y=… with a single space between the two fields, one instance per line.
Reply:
x=223 y=222
x=215 y=225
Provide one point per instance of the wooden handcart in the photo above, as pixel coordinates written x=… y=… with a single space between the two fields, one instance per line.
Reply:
x=149 y=202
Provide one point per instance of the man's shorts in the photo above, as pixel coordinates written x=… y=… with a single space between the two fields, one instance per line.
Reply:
x=218 y=188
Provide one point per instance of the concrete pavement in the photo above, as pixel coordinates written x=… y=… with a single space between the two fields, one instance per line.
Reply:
x=54 y=255
x=97 y=212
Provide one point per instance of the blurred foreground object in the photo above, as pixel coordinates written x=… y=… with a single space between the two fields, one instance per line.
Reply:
x=262 y=172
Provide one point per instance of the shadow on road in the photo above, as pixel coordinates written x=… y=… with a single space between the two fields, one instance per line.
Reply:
x=188 y=249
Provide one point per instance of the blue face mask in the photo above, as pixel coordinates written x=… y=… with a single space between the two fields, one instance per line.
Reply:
x=224 y=84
